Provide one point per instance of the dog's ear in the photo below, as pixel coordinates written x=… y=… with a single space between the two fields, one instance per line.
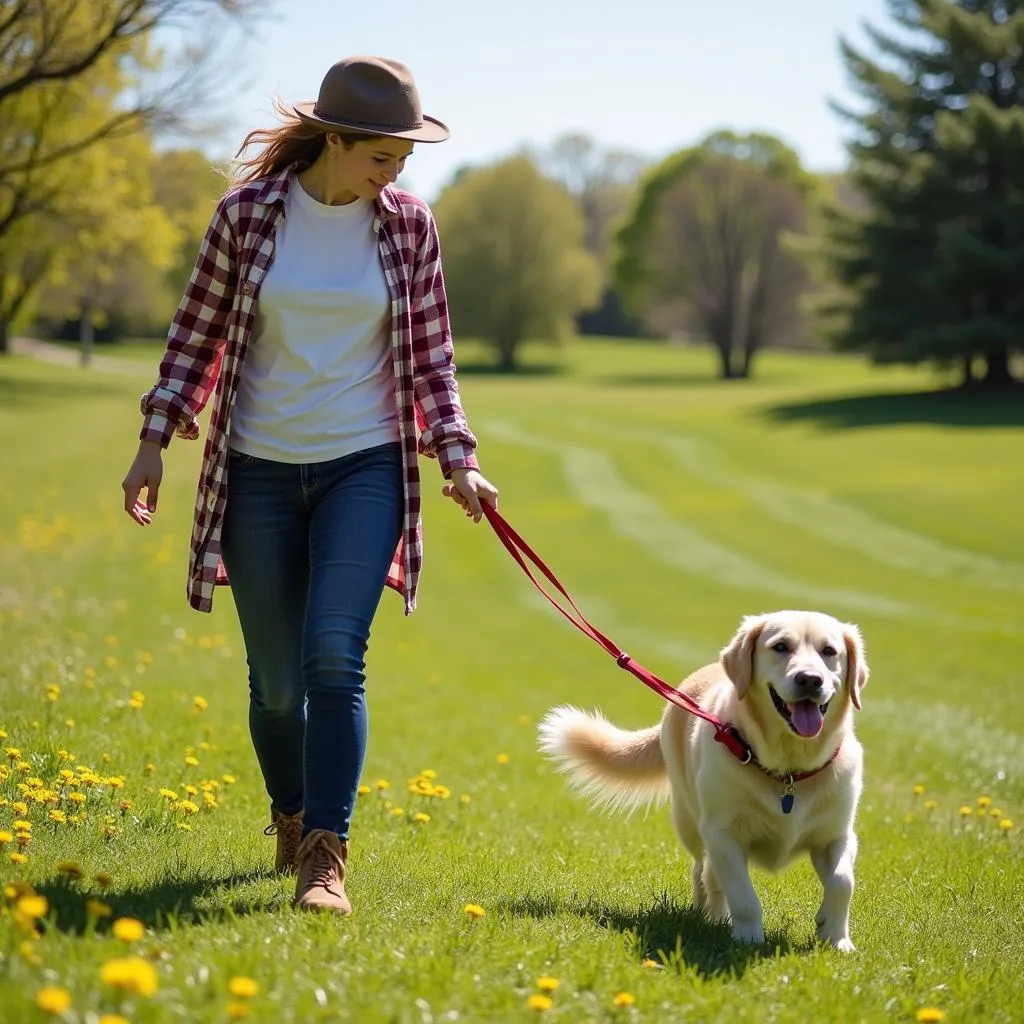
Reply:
x=857 y=670
x=738 y=658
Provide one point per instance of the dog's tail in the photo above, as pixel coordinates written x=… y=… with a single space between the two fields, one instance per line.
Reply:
x=618 y=769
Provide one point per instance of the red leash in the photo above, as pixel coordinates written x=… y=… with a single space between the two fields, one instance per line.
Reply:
x=725 y=734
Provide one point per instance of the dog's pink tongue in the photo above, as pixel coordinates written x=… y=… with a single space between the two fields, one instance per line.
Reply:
x=806 y=717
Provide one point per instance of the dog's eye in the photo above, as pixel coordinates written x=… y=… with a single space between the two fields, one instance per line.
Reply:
x=828 y=651
x=782 y=647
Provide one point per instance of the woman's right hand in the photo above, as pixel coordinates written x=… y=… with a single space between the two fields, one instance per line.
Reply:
x=146 y=472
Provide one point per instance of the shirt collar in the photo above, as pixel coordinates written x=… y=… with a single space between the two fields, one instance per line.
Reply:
x=275 y=190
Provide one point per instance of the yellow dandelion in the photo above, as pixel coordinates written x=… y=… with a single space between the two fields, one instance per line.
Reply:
x=192 y=761
x=465 y=798
x=149 y=769
x=69 y=722
x=382 y=784
x=931 y=805
x=168 y=794
x=1006 y=824
x=397 y=811
x=13 y=753
x=200 y=704
x=539 y=1003
x=984 y=801
x=53 y=999
x=930 y=1015
x=97 y=908
x=32 y=906
x=547 y=984
x=428 y=773
x=3 y=734
x=69 y=869
x=502 y=759
x=965 y=810
x=113 y=1018
x=421 y=817
x=623 y=999
x=58 y=815
x=27 y=948
x=132 y=974
x=128 y=929
x=996 y=812
x=183 y=825
x=648 y=962
x=475 y=910
x=6 y=837
x=229 y=779
x=103 y=880
x=110 y=661
x=243 y=988
x=20 y=807
x=238 y=1011
x=17 y=858
x=918 y=789
x=110 y=640
x=442 y=792
x=191 y=791
x=363 y=790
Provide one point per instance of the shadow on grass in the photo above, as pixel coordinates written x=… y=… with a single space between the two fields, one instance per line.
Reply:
x=663 y=380
x=177 y=900
x=669 y=933
x=519 y=373
x=23 y=394
x=961 y=407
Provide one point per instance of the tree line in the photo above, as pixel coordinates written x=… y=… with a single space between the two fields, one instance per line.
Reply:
x=914 y=253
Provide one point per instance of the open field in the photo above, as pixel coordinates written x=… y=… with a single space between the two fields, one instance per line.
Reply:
x=670 y=505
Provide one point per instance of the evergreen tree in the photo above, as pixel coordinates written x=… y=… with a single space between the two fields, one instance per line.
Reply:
x=933 y=270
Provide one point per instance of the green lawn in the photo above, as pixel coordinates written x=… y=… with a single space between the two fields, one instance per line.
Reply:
x=670 y=505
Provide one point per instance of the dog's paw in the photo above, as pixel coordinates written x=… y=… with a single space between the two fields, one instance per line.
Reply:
x=840 y=943
x=844 y=946
x=750 y=931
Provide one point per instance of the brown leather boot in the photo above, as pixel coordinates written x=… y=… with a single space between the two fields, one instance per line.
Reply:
x=321 y=863
x=288 y=829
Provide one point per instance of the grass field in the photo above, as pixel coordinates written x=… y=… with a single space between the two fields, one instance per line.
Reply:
x=670 y=505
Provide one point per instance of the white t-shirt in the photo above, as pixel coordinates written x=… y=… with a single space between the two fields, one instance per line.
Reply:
x=317 y=382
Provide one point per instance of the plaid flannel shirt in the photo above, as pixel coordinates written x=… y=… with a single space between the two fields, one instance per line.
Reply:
x=212 y=331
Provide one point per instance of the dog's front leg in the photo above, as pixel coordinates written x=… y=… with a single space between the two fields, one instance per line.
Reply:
x=834 y=865
x=728 y=862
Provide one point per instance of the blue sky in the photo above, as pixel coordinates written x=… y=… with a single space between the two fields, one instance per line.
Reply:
x=650 y=76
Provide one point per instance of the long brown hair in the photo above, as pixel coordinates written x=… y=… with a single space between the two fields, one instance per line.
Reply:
x=292 y=141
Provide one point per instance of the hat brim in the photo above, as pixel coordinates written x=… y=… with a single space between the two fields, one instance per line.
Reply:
x=431 y=130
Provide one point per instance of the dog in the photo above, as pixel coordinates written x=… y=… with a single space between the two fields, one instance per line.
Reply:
x=788 y=682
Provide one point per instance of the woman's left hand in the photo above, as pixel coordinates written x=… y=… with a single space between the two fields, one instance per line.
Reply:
x=467 y=488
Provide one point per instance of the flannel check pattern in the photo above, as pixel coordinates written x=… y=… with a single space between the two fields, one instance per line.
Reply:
x=213 y=328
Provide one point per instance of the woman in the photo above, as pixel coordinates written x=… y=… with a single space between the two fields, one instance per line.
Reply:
x=317 y=311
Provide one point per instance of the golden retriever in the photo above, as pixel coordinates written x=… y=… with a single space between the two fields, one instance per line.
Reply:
x=788 y=681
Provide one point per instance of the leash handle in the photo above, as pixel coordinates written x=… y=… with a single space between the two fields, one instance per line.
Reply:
x=523 y=553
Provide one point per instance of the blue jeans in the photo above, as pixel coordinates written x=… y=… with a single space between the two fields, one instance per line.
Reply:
x=307 y=549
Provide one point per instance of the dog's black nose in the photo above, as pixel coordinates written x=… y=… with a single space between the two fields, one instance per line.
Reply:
x=809 y=680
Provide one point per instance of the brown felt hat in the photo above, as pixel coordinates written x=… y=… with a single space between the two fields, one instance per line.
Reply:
x=372 y=95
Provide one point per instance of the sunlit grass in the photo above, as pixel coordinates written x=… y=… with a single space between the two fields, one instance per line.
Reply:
x=137 y=884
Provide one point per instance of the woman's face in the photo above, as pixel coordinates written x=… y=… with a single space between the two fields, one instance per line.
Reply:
x=366 y=167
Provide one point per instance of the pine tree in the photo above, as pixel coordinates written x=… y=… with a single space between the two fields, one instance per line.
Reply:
x=933 y=269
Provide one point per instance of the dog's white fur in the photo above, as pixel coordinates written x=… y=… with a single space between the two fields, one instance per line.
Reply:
x=727 y=813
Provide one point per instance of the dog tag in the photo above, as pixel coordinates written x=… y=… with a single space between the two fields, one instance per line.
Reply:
x=788 y=797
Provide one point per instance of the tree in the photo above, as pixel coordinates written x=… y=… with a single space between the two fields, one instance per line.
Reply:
x=704 y=248
x=74 y=73
x=515 y=264
x=603 y=182
x=932 y=272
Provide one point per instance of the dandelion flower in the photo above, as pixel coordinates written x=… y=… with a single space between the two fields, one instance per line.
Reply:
x=20 y=825
x=243 y=988
x=623 y=999
x=132 y=974
x=192 y=761
x=547 y=984
x=127 y=929
x=200 y=704
x=168 y=794
x=238 y=1011
x=363 y=790
x=1006 y=824
x=475 y=910
x=502 y=759
x=965 y=810
x=428 y=773
x=58 y=816
x=6 y=837
x=397 y=811
x=32 y=906
x=97 y=908
x=382 y=784
x=103 y=880
x=27 y=949
x=17 y=858
x=996 y=812
x=421 y=817
x=539 y=1003
x=931 y=805
x=918 y=789
x=113 y=1018
x=648 y=962
x=930 y=1015
x=465 y=798
x=229 y=779
x=984 y=801
x=53 y=999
